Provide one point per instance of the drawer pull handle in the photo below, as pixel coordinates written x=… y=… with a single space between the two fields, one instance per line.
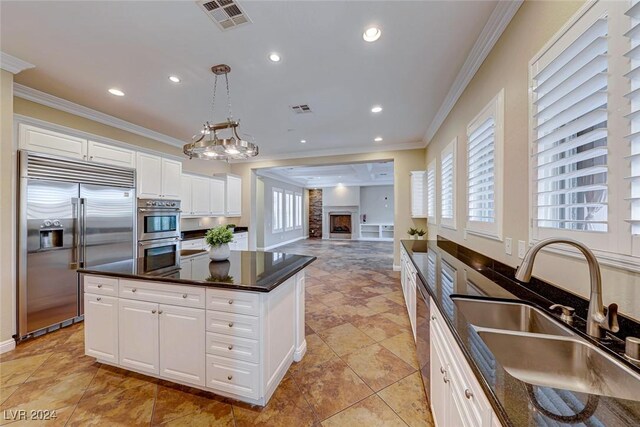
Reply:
x=133 y=290
x=99 y=299
x=160 y=312
x=468 y=393
x=442 y=370
x=445 y=379
x=99 y=286
x=433 y=317
x=230 y=347
x=231 y=324
x=230 y=377
x=230 y=301
x=184 y=296
x=153 y=312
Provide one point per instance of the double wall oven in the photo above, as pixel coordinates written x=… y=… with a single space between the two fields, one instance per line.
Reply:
x=159 y=234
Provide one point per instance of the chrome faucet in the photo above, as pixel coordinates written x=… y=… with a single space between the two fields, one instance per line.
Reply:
x=599 y=318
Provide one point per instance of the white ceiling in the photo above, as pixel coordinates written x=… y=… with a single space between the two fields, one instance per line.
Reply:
x=82 y=48
x=360 y=174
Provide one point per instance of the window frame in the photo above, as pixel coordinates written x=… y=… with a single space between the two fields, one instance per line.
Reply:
x=452 y=149
x=289 y=214
x=299 y=210
x=277 y=200
x=495 y=109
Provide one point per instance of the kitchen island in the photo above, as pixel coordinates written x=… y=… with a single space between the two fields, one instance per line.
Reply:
x=232 y=327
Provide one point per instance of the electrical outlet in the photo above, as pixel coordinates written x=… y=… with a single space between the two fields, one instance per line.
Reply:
x=507 y=245
x=521 y=249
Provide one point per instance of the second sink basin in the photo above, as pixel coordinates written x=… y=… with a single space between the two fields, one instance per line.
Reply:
x=562 y=362
x=511 y=316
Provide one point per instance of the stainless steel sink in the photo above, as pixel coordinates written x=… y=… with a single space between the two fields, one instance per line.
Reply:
x=511 y=316
x=567 y=363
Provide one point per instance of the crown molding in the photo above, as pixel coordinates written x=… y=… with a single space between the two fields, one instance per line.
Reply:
x=52 y=101
x=495 y=26
x=12 y=64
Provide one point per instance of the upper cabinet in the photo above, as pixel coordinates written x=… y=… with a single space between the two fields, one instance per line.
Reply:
x=202 y=196
x=217 y=197
x=418 y=194
x=158 y=177
x=47 y=141
x=111 y=155
x=234 y=196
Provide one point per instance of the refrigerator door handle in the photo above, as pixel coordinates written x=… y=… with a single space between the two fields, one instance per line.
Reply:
x=83 y=232
x=75 y=261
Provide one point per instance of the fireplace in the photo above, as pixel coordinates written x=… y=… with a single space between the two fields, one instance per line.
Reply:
x=339 y=225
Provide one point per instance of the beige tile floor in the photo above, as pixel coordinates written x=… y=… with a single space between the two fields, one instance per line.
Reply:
x=360 y=368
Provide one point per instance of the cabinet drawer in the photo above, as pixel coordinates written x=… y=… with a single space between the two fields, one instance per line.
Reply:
x=233 y=376
x=186 y=296
x=233 y=347
x=101 y=285
x=237 y=325
x=233 y=301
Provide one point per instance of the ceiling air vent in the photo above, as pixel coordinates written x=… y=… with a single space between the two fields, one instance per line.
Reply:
x=301 y=109
x=226 y=13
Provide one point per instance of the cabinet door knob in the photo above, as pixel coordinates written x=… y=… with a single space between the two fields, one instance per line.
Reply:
x=231 y=324
x=160 y=312
x=433 y=317
x=99 y=299
x=153 y=312
x=468 y=393
x=442 y=370
x=230 y=377
x=133 y=290
x=230 y=301
x=184 y=296
x=99 y=286
x=230 y=347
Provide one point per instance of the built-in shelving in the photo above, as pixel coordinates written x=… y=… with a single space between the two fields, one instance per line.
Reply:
x=376 y=231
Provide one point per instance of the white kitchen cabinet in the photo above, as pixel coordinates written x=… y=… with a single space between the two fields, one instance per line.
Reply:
x=216 y=197
x=194 y=244
x=233 y=196
x=200 y=195
x=111 y=155
x=50 y=142
x=185 y=196
x=182 y=344
x=138 y=335
x=240 y=242
x=148 y=171
x=185 y=268
x=171 y=173
x=418 y=194
x=408 y=281
x=101 y=327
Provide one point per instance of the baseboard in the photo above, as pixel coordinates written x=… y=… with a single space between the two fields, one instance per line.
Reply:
x=396 y=267
x=7 y=345
x=268 y=248
x=300 y=351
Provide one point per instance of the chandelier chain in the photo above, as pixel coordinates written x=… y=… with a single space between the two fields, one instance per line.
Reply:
x=226 y=77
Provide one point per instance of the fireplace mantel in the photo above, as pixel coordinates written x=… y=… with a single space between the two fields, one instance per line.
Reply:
x=354 y=211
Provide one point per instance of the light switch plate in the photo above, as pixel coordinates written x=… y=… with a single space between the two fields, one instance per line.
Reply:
x=521 y=249
x=507 y=245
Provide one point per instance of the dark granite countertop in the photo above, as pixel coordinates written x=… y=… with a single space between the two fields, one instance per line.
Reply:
x=447 y=268
x=199 y=233
x=244 y=270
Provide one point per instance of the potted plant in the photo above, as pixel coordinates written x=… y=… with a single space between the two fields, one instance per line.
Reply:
x=412 y=233
x=231 y=227
x=421 y=234
x=218 y=238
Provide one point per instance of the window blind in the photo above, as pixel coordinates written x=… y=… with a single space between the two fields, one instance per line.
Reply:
x=298 y=210
x=289 y=210
x=446 y=186
x=418 y=194
x=431 y=191
x=276 y=219
x=634 y=116
x=570 y=132
x=480 y=170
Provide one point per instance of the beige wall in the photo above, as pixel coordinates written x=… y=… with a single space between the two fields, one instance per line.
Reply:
x=7 y=240
x=507 y=67
x=404 y=161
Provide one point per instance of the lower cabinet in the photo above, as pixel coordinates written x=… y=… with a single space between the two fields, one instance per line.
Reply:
x=139 y=338
x=408 y=279
x=101 y=327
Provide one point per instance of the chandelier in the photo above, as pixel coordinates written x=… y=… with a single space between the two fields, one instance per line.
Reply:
x=220 y=141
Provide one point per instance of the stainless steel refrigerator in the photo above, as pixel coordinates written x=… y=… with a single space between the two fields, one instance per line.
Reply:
x=72 y=214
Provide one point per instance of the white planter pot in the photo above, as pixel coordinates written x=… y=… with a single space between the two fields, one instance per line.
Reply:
x=219 y=252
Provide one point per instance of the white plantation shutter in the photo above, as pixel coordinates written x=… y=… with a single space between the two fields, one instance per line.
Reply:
x=448 y=184
x=289 y=211
x=276 y=213
x=634 y=138
x=418 y=194
x=480 y=170
x=298 y=210
x=431 y=192
x=570 y=132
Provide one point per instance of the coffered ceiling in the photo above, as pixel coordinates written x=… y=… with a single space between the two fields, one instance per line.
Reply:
x=360 y=174
x=80 y=49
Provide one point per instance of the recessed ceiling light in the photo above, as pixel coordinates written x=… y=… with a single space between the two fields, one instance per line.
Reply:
x=377 y=139
x=303 y=141
x=371 y=34
x=376 y=109
x=116 y=92
x=174 y=79
x=274 y=57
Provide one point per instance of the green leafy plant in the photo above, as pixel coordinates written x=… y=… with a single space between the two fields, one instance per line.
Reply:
x=231 y=226
x=421 y=232
x=218 y=236
x=412 y=231
x=220 y=279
